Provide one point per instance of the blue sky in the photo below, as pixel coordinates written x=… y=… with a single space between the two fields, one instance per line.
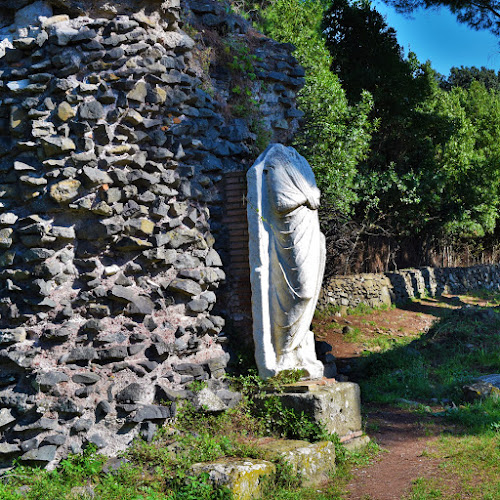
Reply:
x=436 y=35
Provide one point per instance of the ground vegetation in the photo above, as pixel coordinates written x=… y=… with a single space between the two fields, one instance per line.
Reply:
x=417 y=365
x=161 y=470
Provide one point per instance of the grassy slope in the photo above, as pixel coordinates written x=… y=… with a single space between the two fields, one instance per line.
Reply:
x=431 y=371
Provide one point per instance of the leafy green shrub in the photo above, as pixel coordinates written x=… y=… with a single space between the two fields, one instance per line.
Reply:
x=200 y=488
x=286 y=422
x=335 y=136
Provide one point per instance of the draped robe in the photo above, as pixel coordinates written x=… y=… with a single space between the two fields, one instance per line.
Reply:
x=287 y=257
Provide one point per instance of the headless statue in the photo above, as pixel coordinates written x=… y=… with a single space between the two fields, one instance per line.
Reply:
x=287 y=260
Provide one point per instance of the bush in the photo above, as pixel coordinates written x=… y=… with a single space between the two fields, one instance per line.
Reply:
x=335 y=136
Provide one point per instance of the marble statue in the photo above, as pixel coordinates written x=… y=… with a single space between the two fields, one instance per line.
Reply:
x=287 y=260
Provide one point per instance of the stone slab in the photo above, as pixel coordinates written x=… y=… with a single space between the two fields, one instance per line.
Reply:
x=336 y=406
x=244 y=477
x=357 y=443
x=313 y=462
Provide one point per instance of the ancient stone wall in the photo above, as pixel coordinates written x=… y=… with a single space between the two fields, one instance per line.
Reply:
x=116 y=131
x=398 y=287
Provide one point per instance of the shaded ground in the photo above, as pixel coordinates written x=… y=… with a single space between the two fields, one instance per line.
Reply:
x=405 y=436
x=367 y=332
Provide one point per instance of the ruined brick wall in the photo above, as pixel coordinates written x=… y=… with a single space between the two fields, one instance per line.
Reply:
x=115 y=143
x=239 y=292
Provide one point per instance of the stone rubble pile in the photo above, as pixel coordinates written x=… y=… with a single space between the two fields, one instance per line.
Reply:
x=112 y=160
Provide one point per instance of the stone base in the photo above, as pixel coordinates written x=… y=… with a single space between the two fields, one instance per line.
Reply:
x=244 y=477
x=335 y=405
x=314 y=462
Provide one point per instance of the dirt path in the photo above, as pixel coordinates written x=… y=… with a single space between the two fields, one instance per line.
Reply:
x=404 y=438
x=403 y=435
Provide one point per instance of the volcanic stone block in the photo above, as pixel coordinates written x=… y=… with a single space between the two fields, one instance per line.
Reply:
x=92 y=110
x=133 y=393
x=314 y=462
x=185 y=286
x=125 y=293
x=6 y=237
x=65 y=111
x=335 y=405
x=95 y=176
x=81 y=425
x=55 y=145
x=7 y=449
x=65 y=191
x=197 y=306
x=208 y=401
x=87 y=378
x=141 y=306
x=13 y=335
x=79 y=354
x=139 y=92
x=6 y=417
x=42 y=454
x=116 y=353
x=244 y=477
x=98 y=441
x=181 y=236
x=49 y=380
x=42 y=424
x=150 y=412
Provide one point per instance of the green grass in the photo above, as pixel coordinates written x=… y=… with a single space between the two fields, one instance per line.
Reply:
x=354 y=335
x=422 y=490
x=362 y=309
x=359 y=310
x=469 y=463
x=327 y=312
x=490 y=296
x=462 y=345
x=384 y=343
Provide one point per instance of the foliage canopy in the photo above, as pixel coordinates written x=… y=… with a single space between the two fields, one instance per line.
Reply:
x=335 y=135
x=398 y=150
x=431 y=169
x=478 y=14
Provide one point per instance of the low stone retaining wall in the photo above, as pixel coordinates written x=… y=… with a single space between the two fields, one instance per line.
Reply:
x=398 y=287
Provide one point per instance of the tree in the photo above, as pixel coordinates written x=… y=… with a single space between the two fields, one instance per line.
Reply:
x=335 y=135
x=367 y=57
x=464 y=76
x=431 y=170
x=365 y=53
x=478 y=14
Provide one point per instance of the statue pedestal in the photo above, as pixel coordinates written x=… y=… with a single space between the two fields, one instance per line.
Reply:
x=335 y=405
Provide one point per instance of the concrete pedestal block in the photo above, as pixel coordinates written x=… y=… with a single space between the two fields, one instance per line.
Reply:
x=335 y=405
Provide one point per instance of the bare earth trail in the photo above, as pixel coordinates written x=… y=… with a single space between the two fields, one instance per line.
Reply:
x=404 y=439
x=403 y=435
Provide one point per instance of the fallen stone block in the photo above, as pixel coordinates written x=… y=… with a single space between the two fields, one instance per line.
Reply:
x=244 y=477
x=313 y=462
x=487 y=386
x=356 y=442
